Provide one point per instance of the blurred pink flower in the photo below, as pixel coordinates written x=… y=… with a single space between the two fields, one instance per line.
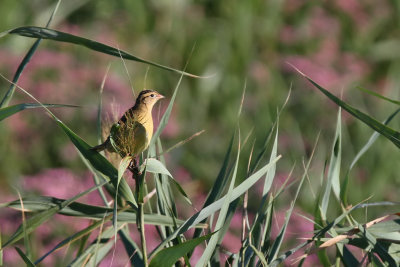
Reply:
x=62 y=183
x=355 y=10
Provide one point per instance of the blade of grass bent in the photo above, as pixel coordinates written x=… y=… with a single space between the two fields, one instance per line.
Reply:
x=360 y=153
x=11 y=110
x=7 y=98
x=389 y=133
x=215 y=206
x=378 y=95
x=371 y=140
x=155 y=166
x=46 y=33
x=39 y=218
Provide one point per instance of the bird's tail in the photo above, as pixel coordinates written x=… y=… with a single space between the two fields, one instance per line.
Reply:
x=101 y=147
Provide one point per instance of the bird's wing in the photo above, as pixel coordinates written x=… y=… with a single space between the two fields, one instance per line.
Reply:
x=128 y=138
x=128 y=115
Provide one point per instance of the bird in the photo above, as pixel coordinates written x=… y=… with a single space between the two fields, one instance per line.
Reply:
x=131 y=135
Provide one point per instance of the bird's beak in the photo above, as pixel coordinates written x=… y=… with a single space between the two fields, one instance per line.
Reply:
x=160 y=96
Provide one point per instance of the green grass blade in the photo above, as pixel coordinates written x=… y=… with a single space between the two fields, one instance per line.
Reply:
x=389 y=133
x=132 y=249
x=38 y=219
x=123 y=165
x=46 y=33
x=164 y=190
x=155 y=166
x=269 y=178
x=372 y=140
x=101 y=252
x=363 y=150
x=259 y=254
x=273 y=253
x=98 y=248
x=377 y=247
x=348 y=258
x=168 y=256
x=84 y=232
x=98 y=178
x=11 y=110
x=333 y=182
x=7 y=98
x=378 y=95
x=385 y=227
x=77 y=209
x=211 y=246
x=215 y=206
x=27 y=261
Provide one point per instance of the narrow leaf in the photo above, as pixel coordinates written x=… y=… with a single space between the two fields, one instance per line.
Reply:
x=77 y=209
x=378 y=95
x=46 y=33
x=11 y=110
x=38 y=219
x=389 y=133
x=27 y=261
x=155 y=166
x=333 y=181
x=7 y=98
x=123 y=165
x=168 y=256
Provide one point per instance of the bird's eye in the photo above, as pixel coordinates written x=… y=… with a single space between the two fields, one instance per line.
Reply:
x=152 y=95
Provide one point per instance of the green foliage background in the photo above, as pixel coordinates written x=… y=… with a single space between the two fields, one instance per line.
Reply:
x=237 y=44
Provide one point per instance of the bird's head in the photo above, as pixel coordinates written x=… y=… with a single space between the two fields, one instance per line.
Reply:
x=148 y=98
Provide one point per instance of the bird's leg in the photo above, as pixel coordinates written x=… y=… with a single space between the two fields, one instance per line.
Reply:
x=134 y=167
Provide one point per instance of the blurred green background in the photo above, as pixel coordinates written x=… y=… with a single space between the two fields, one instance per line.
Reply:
x=340 y=44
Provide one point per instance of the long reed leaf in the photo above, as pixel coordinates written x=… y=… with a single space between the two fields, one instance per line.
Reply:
x=11 y=110
x=46 y=33
x=389 y=133
x=8 y=96
x=168 y=256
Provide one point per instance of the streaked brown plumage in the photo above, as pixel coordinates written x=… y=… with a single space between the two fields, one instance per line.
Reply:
x=131 y=135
